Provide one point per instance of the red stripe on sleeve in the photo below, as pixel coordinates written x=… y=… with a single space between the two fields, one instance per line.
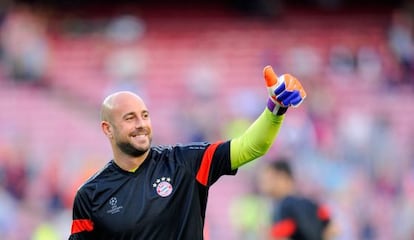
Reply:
x=203 y=172
x=323 y=213
x=284 y=228
x=81 y=225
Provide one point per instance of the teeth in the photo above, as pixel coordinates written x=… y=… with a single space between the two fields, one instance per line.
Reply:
x=140 y=135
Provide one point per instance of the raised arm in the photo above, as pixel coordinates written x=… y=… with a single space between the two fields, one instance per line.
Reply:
x=284 y=92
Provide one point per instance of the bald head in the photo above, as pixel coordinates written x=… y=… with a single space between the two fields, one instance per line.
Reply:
x=127 y=124
x=116 y=100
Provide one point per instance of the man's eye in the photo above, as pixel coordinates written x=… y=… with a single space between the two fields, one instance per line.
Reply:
x=145 y=115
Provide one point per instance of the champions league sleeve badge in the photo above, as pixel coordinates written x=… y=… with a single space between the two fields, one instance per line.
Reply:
x=163 y=186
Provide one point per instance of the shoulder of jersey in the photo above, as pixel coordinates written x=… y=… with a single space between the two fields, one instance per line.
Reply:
x=199 y=145
x=161 y=148
x=94 y=178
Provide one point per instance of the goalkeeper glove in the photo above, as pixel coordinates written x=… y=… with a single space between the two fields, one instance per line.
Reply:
x=284 y=91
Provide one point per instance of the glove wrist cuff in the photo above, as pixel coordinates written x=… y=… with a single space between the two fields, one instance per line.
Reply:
x=275 y=108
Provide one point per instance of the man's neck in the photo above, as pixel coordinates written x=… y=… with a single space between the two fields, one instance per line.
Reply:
x=128 y=163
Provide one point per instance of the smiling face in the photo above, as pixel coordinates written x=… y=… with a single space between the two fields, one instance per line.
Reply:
x=126 y=122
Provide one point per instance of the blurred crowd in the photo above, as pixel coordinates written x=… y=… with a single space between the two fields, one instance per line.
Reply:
x=351 y=142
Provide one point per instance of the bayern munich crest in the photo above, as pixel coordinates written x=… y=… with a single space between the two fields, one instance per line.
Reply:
x=163 y=186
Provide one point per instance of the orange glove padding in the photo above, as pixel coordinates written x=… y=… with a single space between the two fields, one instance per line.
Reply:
x=284 y=91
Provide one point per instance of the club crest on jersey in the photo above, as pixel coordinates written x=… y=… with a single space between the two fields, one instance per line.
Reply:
x=163 y=186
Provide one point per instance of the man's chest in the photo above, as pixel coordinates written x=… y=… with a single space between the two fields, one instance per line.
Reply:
x=151 y=198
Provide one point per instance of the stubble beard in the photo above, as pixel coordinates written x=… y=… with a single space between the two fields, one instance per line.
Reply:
x=132 y=151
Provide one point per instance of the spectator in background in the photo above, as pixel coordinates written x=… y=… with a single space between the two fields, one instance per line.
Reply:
x=126 y=61
x=369 y=64
x=25 y=46
x=400 y=39
x=14 y=173
x=125 y=66
x=4 y=8
x=200 y=100
x=251 y=223
x=342 y=60
x=295 y=217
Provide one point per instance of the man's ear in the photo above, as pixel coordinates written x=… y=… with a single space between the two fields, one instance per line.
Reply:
x=106 y=128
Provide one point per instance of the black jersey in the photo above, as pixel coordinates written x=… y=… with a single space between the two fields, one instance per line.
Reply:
x=299 y=218
x=164 y=199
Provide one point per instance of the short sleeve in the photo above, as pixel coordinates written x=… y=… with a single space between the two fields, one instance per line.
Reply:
x=82 y=224
x=304 y=217
x=208 y=161
x=284 y=222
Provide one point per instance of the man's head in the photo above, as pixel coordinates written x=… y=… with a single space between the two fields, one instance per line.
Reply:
x=276 y=179
x=126 y=122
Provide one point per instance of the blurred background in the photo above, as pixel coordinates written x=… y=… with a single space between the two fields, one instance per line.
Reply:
x=198 y=65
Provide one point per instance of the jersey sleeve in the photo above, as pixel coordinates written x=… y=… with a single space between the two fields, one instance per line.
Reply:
x=324 y=215
x=284 y=222
x=302 y=217
x=82 y=224
x=208 y=161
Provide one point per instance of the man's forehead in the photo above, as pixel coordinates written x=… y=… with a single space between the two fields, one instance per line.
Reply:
x=125 y=95
x=120 y=98
x=123 y=102
x=127 y=102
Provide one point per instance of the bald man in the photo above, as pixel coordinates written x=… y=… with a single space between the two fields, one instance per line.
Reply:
x=160 y=192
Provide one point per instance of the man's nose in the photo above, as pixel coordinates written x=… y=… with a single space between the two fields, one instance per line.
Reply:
x=139 y=122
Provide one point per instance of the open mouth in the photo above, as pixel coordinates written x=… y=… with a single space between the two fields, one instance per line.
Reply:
x=140 y=135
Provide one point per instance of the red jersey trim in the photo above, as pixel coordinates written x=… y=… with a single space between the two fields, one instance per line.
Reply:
x=323 y=213
x=81 y=225
x=284 y=228
x=204 y=171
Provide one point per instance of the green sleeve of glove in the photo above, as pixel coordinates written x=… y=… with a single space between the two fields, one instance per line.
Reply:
x=256 y=140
